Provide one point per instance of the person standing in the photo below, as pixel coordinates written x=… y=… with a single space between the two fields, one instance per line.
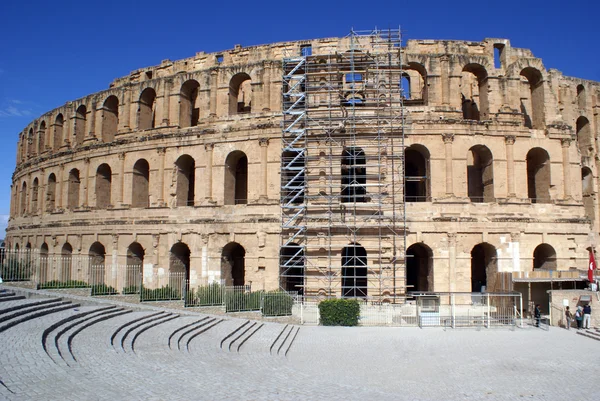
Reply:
x=537 y=314
x=587 y=316
x=568 y=318
x=579 y=317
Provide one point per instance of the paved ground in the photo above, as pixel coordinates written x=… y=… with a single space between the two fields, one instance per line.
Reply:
x=102 y=351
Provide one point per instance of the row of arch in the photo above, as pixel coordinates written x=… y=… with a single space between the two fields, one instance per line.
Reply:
x=235 y=185
x=52 y=137
x=419 y=267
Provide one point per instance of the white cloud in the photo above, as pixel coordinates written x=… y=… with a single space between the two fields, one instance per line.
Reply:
x=3 y=225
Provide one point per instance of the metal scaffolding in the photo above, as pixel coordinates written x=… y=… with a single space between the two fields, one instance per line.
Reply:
x=342 y=170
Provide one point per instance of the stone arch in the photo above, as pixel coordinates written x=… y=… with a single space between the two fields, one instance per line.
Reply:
x=419 y=268
x=23 y=197
x=233 y=264
x=189 y=113
x=292 y=267
x=80 y=122
x=474 y=92
x=140 y=186
x=480 y=174
x=585 y=138
x=179 y=265
x=51 y=193
x=353 y=175
x=30 y=143
x=66 y=256
x=587 y=187
x=146 y=113
x=97 y=255
x=415 y=75
x=417 y=177
x=42 y=132
x=35 y=186
x=236 y=178
x=544 y=257
x=110 y=118
x=43 y=263
x=73 y=189
x=581 y=97
x=484 y=266
x=58 y=131
x=134 y=264
x=103 y=186
x=538 y=175
x=240 y=94
x=354 y=271
x=186 y=180
x=532 y=97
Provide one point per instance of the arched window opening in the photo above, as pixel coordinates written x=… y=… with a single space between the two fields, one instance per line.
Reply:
x=110 y=118
x=474 y=92
x=34 y=196
x=544 y=257
x=585 y=139
x=146 y=111
x=532 y=98
x=30 y=143
x=103 y=186
x=480 y=174
x=66 y=262
x=44 y=263
x=189 y=113
x=73 y=189
x=354 y=175
x=24 y=198
x=354 y=271
x=484 y=266
x=416 y=174
x=51 y=193
x=179 y=266
x=42 y=138
x=186 y=170
x=405 y=86
x=414 y=83
x=581 y=97
x=236 y=179
x=587 y=186
x=233 y=264
x=419 y=268
x=498 y=55
x=140 y=184
x=97 y=255
x=538 y=176
x=58 y=132
x=135 y=263
x=80 y=122
x=293 y=176
x=292 y=265
x=240 y=94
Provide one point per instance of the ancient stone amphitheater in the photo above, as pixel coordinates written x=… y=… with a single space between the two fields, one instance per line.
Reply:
x=351 y=166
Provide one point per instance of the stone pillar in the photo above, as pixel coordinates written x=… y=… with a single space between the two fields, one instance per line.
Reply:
x=166 y=89
x=61 y=186
x=267 y=86
x=214 y=74
x=155 y=242
x=209 y=164
x=566 y=143
x=448 y=139
x=125 y=113
x=161 y=176
x=264 y=147
x=92 y=123
x=510 y=166
x=445 y=87
x=86 y=188
x=41 y=192
x=121 y=188
x=452 y=261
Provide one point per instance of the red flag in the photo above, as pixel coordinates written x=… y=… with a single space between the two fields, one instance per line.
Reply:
x=592 y=267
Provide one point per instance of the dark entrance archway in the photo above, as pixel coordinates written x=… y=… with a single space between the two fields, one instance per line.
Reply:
x=419 y=269
x=483 y=267
x=233 y=264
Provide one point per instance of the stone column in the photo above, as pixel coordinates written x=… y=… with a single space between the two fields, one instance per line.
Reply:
x=445 y=87
x=448 y=139
x=86 y=189
x=209 y=164
x=264 y=147
x=566 y=143
x=61 y=186
x=166 y=102
x=161 y=176
x=41 y=192
x=214 y=74
x=510 y=166
x=125 y=115
x=155 y=250
x=267 y=86
x=92 y=123
x=452 y=261
x=121 y=189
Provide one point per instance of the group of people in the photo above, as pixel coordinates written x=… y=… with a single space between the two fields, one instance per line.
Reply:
x=583 y=317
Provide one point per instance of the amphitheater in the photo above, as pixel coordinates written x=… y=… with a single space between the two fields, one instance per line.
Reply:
x=359 y=166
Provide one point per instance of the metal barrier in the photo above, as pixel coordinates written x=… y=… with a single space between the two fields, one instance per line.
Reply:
x=115 y=279
x=166 y=286
x=205 y=293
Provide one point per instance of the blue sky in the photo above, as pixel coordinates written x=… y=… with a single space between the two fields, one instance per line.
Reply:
x=55 y=51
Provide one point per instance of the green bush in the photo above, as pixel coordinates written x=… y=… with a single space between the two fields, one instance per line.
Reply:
x=209 y=295
x=63 y=284
x=103 y=289
x=339 y=312
x=17 y=269
x=277 y=303
x=165 y=293
x=239 y=300
x=131 y=289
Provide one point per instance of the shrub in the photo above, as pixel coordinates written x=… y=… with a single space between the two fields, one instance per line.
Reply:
x=239 y=300
x=165 y=293
x=103 y=289
x=17 y=269
x=131 y=289
x=208 y=295
x=277 y=303
x=339 y=312
x=63 y=284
